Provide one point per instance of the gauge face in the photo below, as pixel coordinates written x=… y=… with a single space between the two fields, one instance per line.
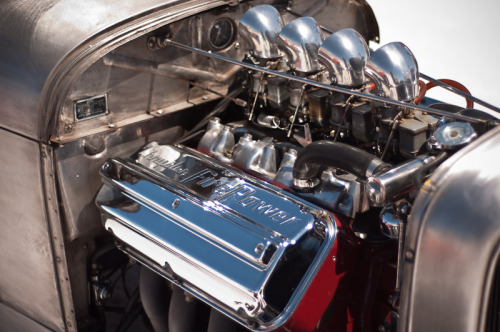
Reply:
x=222 y=33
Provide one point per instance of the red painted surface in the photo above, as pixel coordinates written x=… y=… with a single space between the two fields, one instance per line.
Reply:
x=320 y=294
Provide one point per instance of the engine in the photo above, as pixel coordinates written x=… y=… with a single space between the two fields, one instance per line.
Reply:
x=219 y=233
x=294 y=189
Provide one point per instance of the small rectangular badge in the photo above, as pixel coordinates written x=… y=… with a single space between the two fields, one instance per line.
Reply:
x=91 y=107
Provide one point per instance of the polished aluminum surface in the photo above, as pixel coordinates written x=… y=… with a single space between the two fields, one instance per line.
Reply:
x=300 y=41
x=388 y=186
x=454 y=135
x=221 y=232
x=344 y=54
x=284 y=175
x=343 y=196
x=260 y=26
x=390 y=222
x=217 y=141
x=452 y=242
x=259 y=157
x=394 y=70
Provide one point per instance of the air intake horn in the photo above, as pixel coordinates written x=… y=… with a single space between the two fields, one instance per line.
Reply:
x=394 y=71
x=344 y=54
x=260 y=27
x=300 y=41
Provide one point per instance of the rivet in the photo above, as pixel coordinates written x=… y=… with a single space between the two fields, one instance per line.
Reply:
x=176 y=203
x=259 y=248
x=410 y=255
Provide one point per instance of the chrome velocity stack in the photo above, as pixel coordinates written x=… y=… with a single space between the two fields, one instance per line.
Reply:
x=260 y=27
x=300 y=41
x=394 y=70
x=344 y=54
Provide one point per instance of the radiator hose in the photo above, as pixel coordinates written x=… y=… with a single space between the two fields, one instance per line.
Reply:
x=319 y=155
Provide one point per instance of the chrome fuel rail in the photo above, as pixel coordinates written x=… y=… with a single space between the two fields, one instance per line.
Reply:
x=224 y=236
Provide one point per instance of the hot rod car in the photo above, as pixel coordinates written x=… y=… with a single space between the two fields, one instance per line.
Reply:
x=223 y=165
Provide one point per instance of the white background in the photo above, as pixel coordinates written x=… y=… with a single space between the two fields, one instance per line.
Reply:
x=459 y=40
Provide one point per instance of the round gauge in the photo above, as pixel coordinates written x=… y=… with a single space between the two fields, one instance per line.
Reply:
x=222 y=33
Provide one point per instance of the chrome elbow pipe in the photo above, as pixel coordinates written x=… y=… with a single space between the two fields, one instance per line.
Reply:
x=344 y=54
x=300 y=41
x=394 y=70
x=260 y=26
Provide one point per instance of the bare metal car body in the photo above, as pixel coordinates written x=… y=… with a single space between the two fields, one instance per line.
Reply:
x=95 y=94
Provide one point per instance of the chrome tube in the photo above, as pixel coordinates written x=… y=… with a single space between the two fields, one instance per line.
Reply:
x=385 y=187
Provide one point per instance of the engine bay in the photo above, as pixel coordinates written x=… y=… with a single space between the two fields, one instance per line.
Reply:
x=260 y=162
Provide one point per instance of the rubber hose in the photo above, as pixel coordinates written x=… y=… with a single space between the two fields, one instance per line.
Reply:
x=338 y=155
x=155 y=298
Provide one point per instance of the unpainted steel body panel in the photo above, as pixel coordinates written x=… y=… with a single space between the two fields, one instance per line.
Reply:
x=35 y=37
x=28 y=279
x=78 y=168
x=452 y=246
x=140 y=82
x=47 y=44
x=14 y=321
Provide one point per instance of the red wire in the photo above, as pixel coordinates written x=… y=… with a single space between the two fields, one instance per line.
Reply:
x=421 y=95
x=456 y=85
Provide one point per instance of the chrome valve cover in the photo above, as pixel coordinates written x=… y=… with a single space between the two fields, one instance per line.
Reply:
x=233 y=241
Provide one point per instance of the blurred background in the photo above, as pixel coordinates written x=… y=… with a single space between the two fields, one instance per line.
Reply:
x=454 y=39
